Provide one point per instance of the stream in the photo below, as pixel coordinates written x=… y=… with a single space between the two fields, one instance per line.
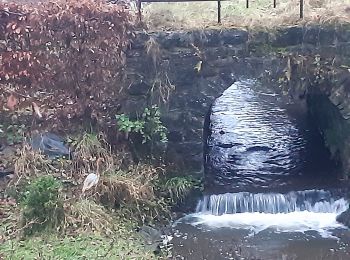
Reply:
x=271 y=190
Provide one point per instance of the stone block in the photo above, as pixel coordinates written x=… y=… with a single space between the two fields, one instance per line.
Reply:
x=288 y=36
x=139 y=88
x=343 y=34
x=233 y=36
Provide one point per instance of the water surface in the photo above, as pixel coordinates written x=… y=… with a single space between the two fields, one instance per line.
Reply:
x=271 y=190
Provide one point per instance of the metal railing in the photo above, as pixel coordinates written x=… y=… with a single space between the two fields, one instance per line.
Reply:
x=139 y=5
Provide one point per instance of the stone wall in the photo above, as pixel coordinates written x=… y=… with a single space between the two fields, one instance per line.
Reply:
x=185 y=71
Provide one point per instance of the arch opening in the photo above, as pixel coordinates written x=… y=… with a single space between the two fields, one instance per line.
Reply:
x=254 y=140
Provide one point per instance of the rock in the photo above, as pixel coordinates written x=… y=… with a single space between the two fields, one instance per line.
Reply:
x=288 y=37
x=150 y=234
x=343 y=35
x=175 y=136
x=139 y=88
x=209 y=38
x=4 y=173
x=152 y=237
x=311 y=35
x=50 y=145
x=233 y=36
x=138 y=42
x=344 y=218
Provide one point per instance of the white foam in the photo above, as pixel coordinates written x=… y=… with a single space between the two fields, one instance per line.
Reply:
x=313 y=201
x=281 y=222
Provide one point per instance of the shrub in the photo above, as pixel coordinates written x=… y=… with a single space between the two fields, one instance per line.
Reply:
x=42 y=205
x=54 y=51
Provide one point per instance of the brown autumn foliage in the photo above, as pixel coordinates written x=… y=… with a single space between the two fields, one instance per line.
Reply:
x=65 y=55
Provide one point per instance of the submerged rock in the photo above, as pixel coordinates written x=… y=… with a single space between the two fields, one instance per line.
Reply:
x=344 y=218
x=154 y=238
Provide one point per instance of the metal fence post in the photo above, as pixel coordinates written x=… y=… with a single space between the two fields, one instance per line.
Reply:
x=139 y=4
x=247 y=3
x=274 y=3
x=219 y=11
x=301 y=9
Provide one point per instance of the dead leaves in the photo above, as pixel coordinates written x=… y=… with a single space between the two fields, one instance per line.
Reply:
x=12 y=102
x=63 y=50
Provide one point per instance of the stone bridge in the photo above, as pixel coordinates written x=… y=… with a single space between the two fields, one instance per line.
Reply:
x=185 y=71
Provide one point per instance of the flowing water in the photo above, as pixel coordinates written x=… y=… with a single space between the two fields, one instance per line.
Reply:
x=271 y=190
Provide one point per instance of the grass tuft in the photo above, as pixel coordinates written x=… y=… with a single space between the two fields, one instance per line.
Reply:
x=86 y=215
x=235 y=14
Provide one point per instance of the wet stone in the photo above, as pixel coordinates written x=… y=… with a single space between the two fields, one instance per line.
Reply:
x=288 y=37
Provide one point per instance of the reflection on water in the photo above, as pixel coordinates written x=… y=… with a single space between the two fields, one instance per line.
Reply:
x=265 y=169
x=255 y=143
x=193 y=242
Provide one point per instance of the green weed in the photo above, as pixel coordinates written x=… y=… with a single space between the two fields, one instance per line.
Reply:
x=149 y=125
x=41 y=204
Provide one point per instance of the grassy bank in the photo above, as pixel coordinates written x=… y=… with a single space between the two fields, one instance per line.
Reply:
x=45 y=214
x=65 y=71
x=234 y=13
x=85 y=246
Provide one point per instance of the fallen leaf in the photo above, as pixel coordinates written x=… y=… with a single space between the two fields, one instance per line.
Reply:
x=12 y=102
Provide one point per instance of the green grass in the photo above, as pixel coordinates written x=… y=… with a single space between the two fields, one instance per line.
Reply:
x=79 y=247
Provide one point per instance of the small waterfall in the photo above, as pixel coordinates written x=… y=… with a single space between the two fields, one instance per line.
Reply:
x=318 y=201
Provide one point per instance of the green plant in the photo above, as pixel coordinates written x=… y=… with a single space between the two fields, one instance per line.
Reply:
x=149 y=125
x=13 y=133
x=41 y=204
x=123 y=245
x=153 y=125
x=319 y=73
x=126 y=125
x=179 y=187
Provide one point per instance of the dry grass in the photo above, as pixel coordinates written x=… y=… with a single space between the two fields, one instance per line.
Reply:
x=90 y=148
x=153 y=51
x=28 y=165
x=86 y=215
x=235 y=14
x=128 y=187
x=132 y=193
x=161 y=86
x=129 y=192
